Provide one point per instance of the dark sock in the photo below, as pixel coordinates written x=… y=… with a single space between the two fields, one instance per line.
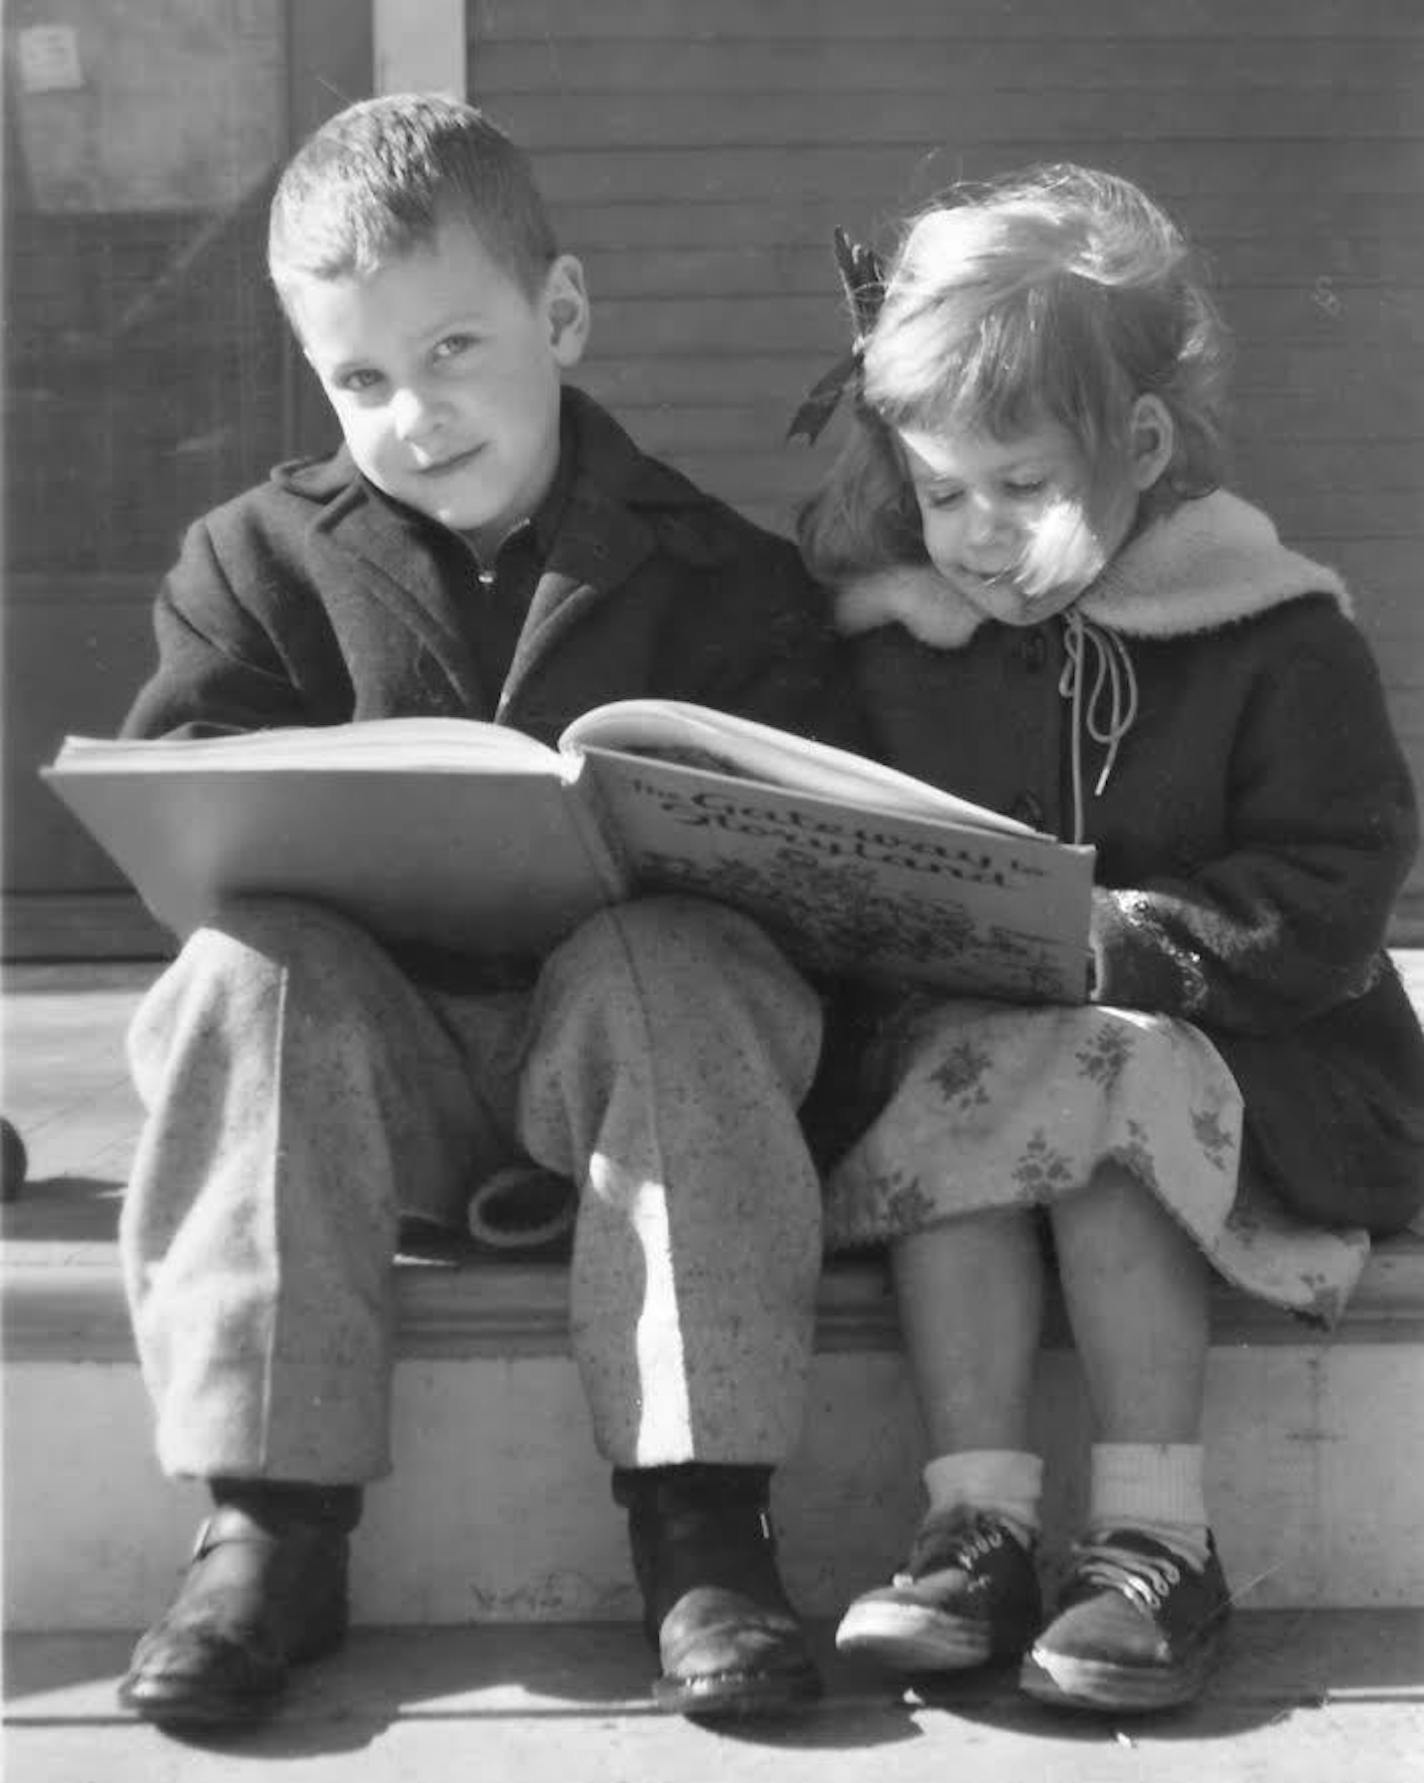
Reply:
x=700 y=1484
x=276 y=1504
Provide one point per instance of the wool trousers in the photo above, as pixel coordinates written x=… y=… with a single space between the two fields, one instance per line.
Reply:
x=302 y=1092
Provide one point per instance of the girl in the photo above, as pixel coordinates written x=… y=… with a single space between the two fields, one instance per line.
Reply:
x=1056 y=610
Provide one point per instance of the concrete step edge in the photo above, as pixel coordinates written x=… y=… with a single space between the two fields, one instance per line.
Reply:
x=63 y=1301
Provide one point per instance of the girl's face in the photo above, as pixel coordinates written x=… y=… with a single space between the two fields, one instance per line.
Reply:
x=1014 y=525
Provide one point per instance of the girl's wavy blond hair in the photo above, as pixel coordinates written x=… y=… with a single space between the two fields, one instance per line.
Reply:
x=1058 y=294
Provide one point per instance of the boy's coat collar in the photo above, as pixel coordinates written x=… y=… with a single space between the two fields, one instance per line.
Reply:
x=1207 y=564
x=621 y=507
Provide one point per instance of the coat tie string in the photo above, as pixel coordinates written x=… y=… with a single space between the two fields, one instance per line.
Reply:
x=1106 y=710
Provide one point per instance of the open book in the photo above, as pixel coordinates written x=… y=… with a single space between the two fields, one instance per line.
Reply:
x=477 y=837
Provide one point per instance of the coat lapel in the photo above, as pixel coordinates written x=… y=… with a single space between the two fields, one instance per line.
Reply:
x=388 y=559
x=599 y=546
x=605 y=535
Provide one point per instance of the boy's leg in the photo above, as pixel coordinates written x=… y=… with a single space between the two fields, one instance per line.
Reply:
x=671 y=1048
x=298 y=1087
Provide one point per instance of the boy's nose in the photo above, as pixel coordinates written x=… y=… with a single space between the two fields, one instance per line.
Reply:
x=413 y=415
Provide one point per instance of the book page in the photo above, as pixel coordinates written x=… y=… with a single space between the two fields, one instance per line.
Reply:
x=893 y=897
x=762 y=752
x=416 y=745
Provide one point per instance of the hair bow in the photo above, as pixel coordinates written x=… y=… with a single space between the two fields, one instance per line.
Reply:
x=862 y=276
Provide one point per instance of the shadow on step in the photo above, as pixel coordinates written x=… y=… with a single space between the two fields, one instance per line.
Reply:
x=1279 y=1664
x=74 y=1209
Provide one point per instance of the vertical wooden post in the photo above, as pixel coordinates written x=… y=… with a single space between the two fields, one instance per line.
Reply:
x=420 y=46
x=330 y=63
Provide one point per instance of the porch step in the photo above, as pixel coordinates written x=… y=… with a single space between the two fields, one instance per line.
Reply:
x=499 y=1509
x=1314 y=1697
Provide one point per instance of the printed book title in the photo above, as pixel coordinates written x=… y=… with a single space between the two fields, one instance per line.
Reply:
x=739 y=816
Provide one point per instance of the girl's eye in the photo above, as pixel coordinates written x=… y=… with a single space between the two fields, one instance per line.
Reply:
x=941 y=498
x=1035 y=486
x=453 y=345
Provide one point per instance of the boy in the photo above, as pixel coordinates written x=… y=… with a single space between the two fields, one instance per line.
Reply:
x=491 y=545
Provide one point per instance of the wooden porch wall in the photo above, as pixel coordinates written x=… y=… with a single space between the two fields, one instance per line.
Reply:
x=699 y=155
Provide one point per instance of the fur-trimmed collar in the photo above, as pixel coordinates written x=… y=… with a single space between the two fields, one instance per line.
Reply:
x=1206 y=564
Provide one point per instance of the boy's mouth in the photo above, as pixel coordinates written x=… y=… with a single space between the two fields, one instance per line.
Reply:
x=457 y=461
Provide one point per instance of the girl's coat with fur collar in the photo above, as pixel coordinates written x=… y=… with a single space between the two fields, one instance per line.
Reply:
x=1255 y=827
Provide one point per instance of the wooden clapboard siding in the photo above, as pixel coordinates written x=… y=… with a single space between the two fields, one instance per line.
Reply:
x=698 y=157
x=818 y=49
x=771 y=117
x=554 y=23
x=1322 y=272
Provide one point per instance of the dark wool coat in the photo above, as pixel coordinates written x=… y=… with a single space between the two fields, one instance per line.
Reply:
x=1254 y=831
x=314 y=600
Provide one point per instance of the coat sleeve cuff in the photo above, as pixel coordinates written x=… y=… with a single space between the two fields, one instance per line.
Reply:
x=1136 y=964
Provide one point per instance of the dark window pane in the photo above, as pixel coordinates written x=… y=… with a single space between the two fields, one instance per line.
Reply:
x=144 y=353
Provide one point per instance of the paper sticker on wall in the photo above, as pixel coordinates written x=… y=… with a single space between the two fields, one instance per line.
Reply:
x=48 y=58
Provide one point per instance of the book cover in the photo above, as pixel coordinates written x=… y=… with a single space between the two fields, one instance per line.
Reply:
x=430 y=830
x=888 y=895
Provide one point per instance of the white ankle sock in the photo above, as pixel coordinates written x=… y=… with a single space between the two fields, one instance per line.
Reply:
x=1154 y=1487
x=1006 y=1482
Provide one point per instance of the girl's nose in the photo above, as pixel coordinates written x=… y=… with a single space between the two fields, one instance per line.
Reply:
x=983 y=520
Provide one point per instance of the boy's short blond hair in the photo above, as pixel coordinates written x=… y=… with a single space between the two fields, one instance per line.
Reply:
x=376 y=182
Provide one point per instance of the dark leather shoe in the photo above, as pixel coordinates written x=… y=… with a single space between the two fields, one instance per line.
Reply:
x=256 y=1599
x=714 y=1606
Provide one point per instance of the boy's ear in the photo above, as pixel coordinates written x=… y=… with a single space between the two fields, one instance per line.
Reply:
x=1152 y=438
x=566 y=305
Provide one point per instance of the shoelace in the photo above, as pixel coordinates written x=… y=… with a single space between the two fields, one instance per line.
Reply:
x=973 y=1540
x=1142 y=1578
x=1113 y=675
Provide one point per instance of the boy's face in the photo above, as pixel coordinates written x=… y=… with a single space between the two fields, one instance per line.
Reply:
x=445 y=377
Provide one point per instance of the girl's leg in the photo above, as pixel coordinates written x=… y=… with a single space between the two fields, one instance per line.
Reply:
x=971 y=1302
x=1144 y=1603
x=971 y=1309
x=1136 y=1290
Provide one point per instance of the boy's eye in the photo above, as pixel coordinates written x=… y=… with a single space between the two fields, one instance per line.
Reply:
x=358 y=381
x=1028 y=486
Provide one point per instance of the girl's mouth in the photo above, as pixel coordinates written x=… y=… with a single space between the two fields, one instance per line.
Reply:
x=986 y=578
